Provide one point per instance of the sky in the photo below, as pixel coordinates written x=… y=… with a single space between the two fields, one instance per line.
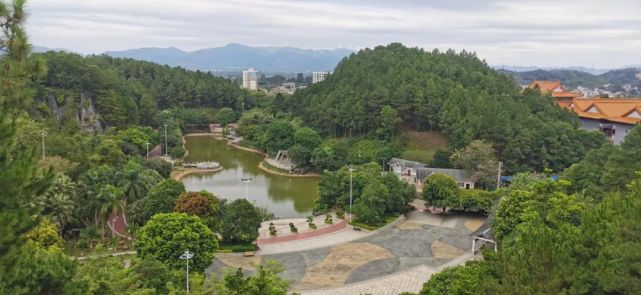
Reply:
x=561 y=33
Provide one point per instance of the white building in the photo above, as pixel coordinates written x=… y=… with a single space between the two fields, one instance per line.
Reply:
x=250 y=79
x=319 y=76
x=416 y=173
x=290 y=85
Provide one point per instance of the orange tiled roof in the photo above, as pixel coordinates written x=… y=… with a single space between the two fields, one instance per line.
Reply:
x=615 y=110
x=545 y=85
x=550 y=87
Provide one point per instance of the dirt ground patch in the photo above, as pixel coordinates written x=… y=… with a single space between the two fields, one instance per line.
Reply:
x=409 y=225
x=334 y=270
x=236 y=261
x=442 y=250
x=474 y=224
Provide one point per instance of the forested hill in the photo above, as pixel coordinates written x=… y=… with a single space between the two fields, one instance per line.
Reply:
x=124 y=91
x=455 y=93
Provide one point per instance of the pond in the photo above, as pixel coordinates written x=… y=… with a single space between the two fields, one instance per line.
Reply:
x=284 y=196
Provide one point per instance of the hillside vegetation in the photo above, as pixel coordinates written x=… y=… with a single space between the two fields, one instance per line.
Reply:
x=455 y=93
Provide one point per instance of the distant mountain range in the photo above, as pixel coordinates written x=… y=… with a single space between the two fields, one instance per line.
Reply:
x=613 y=80
x=235 y=57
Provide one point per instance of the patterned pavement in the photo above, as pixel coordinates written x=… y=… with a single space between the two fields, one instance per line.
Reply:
x=400 y=257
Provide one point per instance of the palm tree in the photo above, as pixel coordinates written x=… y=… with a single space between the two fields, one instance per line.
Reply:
x=58 y=201
x=112 y=203
x=60 y=209
x=134 y=185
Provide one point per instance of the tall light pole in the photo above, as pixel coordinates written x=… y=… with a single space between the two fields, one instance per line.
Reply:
x=44 y=133
x=186 y=256
x=351 y=169
x=246 y=181
x=498 y=177
x=147 y=154
x=165 y=139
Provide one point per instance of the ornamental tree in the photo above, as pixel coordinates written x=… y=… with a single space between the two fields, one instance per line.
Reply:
x=167 y=235
x=440 y=190
x=202 y=204
x=370 y=206
x=240 y=222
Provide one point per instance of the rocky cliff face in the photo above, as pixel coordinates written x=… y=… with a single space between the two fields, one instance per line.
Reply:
x=81 y=110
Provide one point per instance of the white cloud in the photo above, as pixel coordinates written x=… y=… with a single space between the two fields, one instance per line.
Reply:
x=537 y=32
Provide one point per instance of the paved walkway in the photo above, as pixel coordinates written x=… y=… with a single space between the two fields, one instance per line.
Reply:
x=304 y=235
x=399 y=257
x=411 y=280
x=338 y=237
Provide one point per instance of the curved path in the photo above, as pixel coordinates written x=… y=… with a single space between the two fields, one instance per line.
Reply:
x=402 y=256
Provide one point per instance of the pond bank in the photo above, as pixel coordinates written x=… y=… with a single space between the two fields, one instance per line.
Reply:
x=262 y=165
x=178 y=175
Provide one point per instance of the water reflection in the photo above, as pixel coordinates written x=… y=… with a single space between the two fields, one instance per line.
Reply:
x=284 y=196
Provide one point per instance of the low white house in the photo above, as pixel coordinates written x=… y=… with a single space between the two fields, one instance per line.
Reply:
x=416 y=173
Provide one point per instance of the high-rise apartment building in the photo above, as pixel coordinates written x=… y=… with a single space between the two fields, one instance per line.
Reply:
x=250 y=79
x=319 y=76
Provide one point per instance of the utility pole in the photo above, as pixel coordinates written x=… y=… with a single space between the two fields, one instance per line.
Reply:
x=186 y=256
x=498 y=177
x=147 y=154
x=351 y=169
x=44 y=133
x=166 y=148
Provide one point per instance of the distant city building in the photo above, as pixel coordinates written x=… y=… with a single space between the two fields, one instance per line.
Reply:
x=290 y=85
x=282 y=89
x=639 y=76
x=288 y=88
x=319 y=76
x=250 y=79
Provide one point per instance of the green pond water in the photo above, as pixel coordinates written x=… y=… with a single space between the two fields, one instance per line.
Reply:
x=284 y=196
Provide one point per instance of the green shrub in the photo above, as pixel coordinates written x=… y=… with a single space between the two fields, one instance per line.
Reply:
x=340 y=214
x=474 y=200
x=328 y=219
x=312 y=225
x=272 y=229
x=237 y=248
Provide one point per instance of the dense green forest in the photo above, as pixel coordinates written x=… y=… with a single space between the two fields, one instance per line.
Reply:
x=455 y=93
x=129 y=92
x=578 y=235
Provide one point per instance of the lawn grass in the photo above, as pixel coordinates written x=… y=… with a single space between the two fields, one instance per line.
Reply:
x=388 y=219
x=420 y=146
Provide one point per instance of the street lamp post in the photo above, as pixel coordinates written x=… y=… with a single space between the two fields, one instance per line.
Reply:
x=186 y=256
x=166 y=140
x=43 y=144
x=498 y=178
x=246 y=181
x=351 y=169
x=147 y=154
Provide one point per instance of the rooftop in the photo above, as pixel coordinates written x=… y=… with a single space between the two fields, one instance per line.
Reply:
x=621 y=110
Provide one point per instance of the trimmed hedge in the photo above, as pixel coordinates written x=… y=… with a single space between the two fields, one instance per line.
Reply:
x=237 y=248
x=473 y=200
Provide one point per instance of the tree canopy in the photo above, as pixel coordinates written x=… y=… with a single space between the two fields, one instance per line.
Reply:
x=167 y=235
x=456 y=93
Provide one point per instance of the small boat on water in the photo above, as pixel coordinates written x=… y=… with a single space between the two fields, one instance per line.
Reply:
x=208 y=165
x=203 y=165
